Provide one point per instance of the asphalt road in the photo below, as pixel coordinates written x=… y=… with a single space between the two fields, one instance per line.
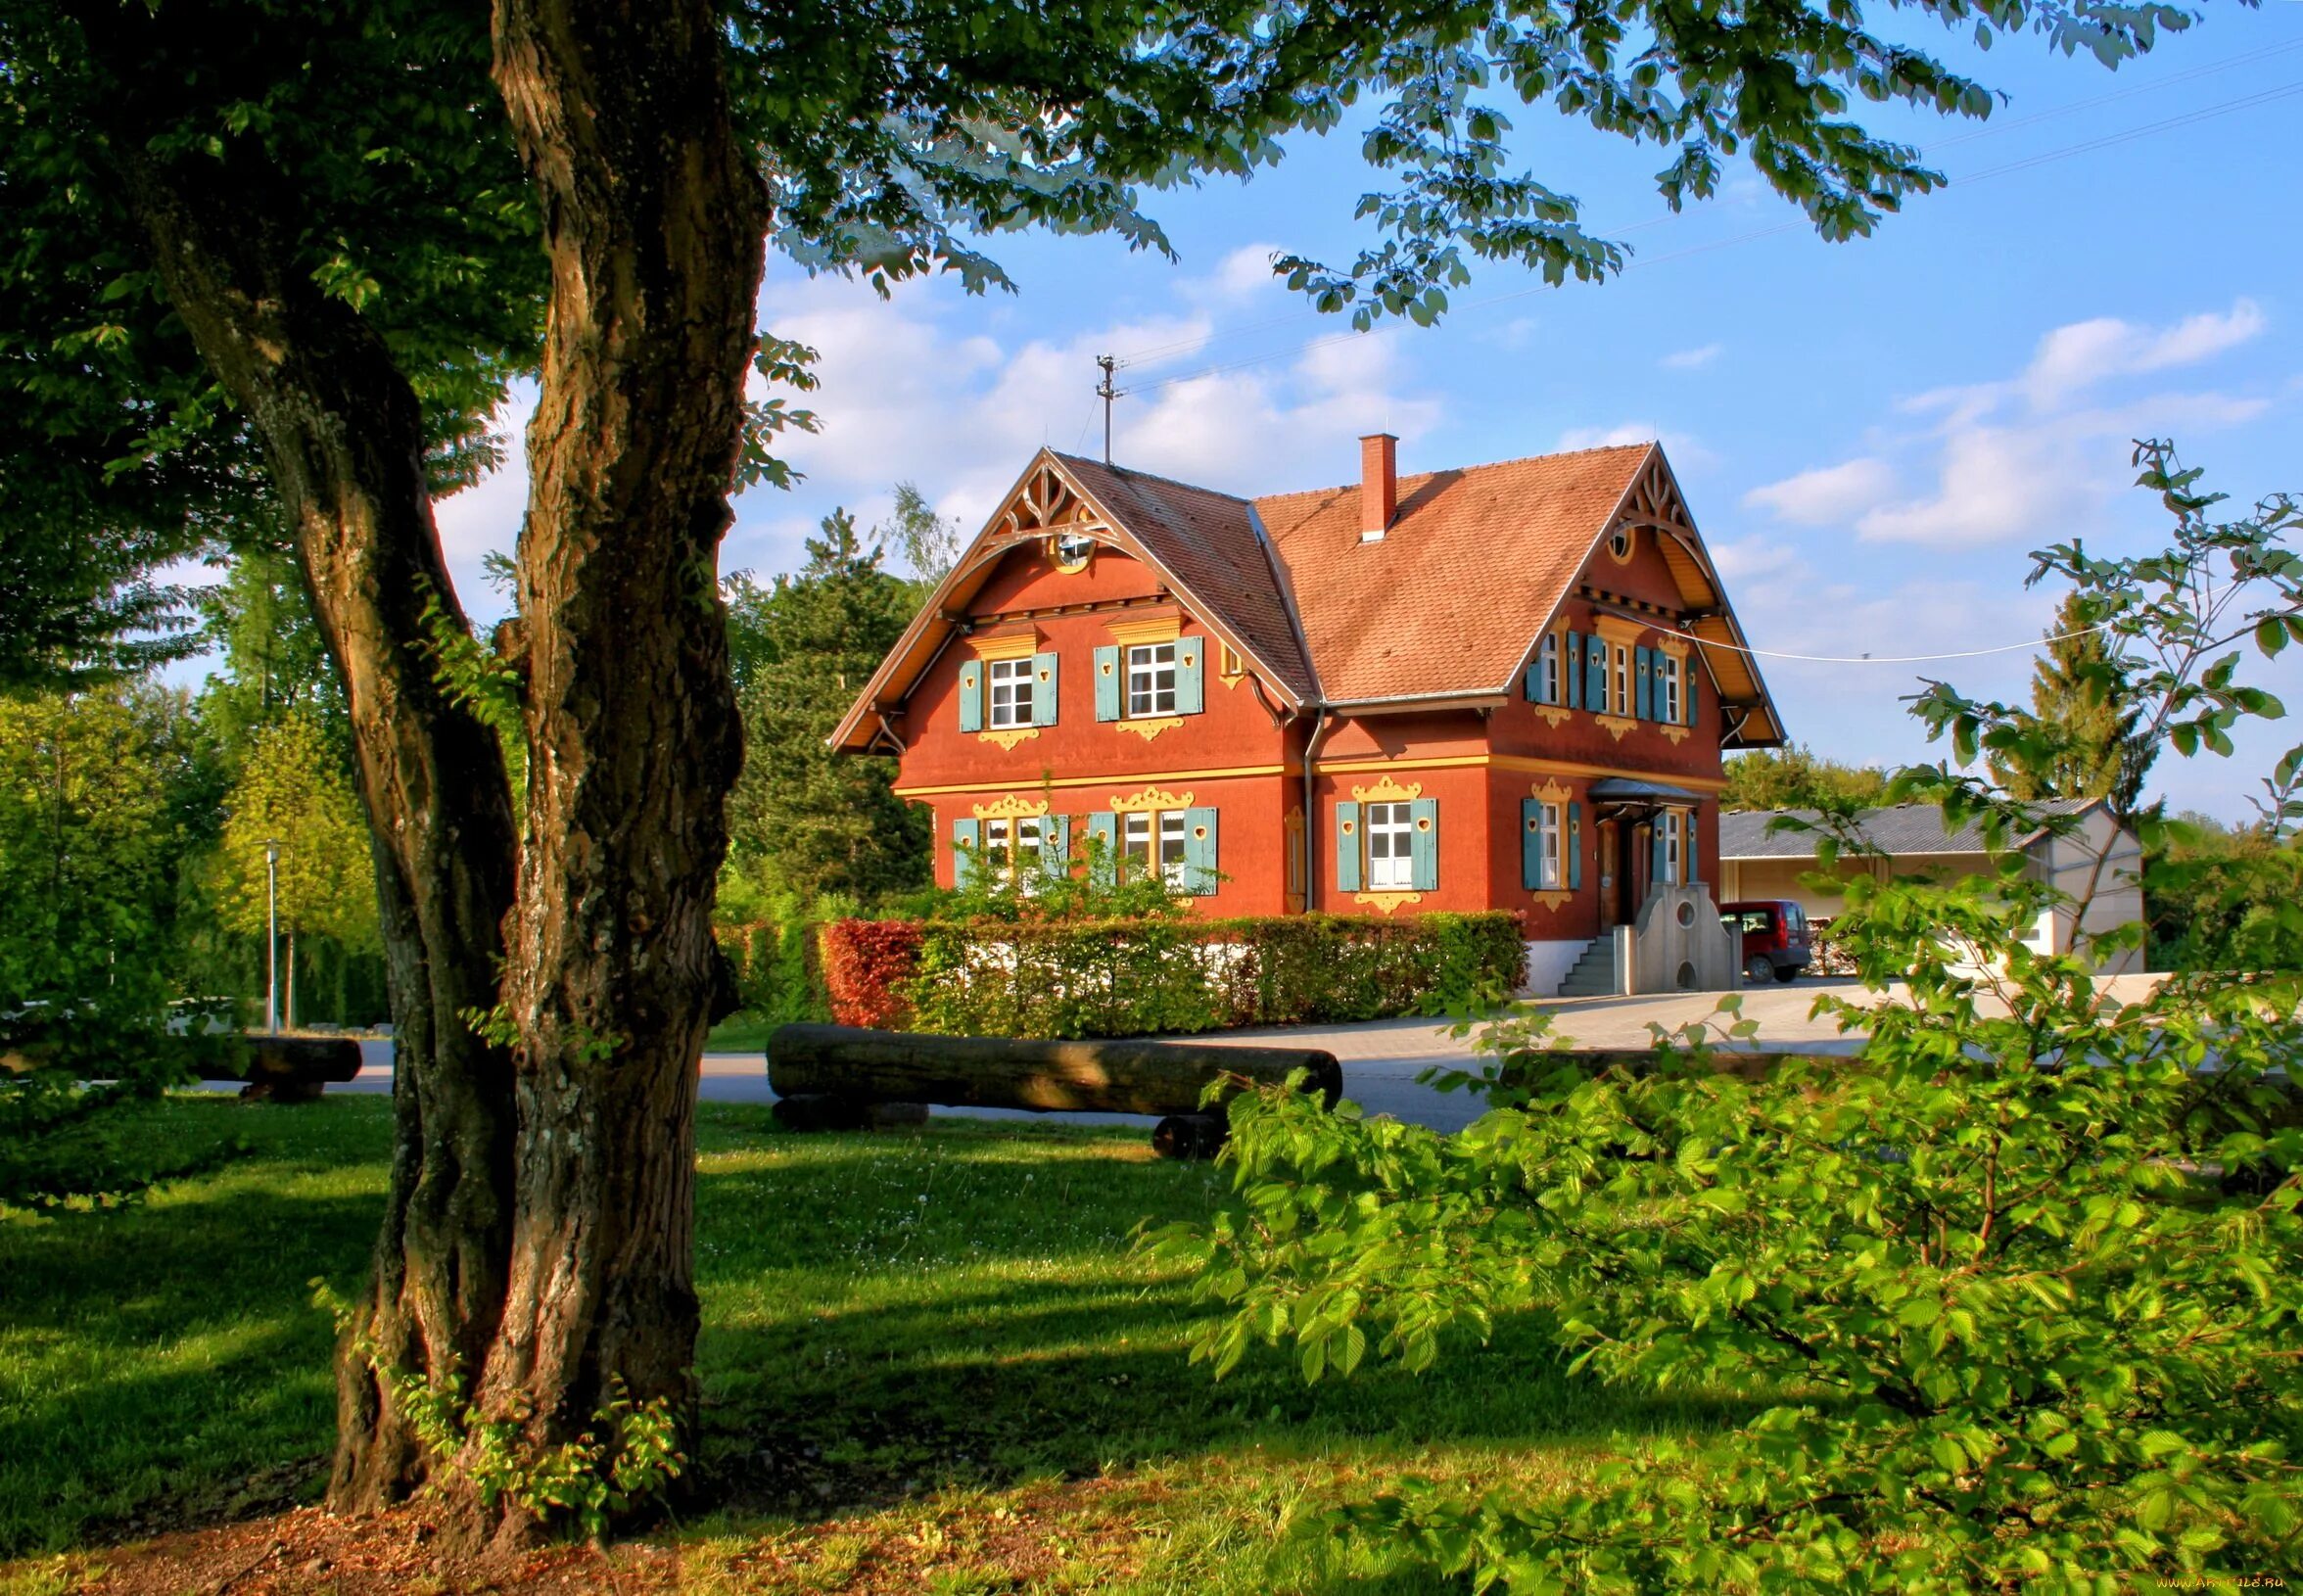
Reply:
x=1380 y=1058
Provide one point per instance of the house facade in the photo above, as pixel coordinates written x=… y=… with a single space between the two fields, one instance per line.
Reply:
x=1504 y=686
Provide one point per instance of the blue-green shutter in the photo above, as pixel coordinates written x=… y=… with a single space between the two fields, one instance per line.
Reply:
x=1531 y=682
x=1643 y=694
x=1043 y=689
x=1595 y=683
x=972 y=676
x=1574 y=848
x=1571 y=672
x=1107 y=684
x=1347 y=847
x=1688 y=672
x=1423 y=844
x=1104 y=847
x=1199 y=852
x=1056 y=844
x=1531 y=843
x=966 y=838
x=1191 y=676
x=1655 y=862
x=1687 y=847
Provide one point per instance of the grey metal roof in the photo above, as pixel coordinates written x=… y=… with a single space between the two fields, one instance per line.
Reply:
x=1628 y=789
x=1901 y=828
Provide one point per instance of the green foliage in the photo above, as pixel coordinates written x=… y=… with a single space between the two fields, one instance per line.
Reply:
x=272 y=661
x=2013 y=1286
x=1148 y=974
x=2225 y=898
x=294 y=795
x=928 y=545
x=2082 y=711
x=803 y=820
x=1795 y=776
x=92 y=826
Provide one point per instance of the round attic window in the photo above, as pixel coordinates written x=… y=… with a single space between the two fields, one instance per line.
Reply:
x=1072 y=550
x=1619 y=544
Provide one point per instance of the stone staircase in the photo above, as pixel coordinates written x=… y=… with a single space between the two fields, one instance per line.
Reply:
x=1593 y=975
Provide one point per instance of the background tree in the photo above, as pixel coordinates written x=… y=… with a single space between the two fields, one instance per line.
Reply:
x=2085 y=712
x=292 y=245
x=803 y=819
x=292 y=793
x=1796 y=777
x=927 y=543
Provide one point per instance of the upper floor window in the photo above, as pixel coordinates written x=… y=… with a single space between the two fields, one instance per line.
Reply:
x=1151 y=679
x=1547 y=670
x=1620 y=678
x=1668 y=701
x=1391 y=829
x=1012 y=692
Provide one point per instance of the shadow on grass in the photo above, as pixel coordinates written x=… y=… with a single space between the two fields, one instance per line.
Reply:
x=960 y=1309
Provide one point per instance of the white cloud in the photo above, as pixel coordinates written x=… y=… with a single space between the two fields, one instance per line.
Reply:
x=1690 y=359
x=1993 y=483
x=1627 y=432
x=2082 y=353
x=1829 y=495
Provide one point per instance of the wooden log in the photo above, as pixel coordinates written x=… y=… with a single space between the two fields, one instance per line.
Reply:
x=823 y=1111
x=1048 y=1077
x=280 y=1060
x=1195 y=1138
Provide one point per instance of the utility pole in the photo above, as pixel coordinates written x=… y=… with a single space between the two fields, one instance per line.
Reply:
x=272 y=935
x=1107 y=392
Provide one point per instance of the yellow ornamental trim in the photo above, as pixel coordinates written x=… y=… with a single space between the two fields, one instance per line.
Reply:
x=1553 y=791
x=1011 y=808
x=1616 y=724
x=1150 y=801
x=1387 y=902
x=1007 y=740
x=1553 y=900
x=1019 y=645
x=1672 y=643
x=1148 y=729
x=1160 y=630
x=1388 y=791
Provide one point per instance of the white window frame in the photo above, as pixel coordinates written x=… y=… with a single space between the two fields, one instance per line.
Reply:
x=1009 y=844
x=1157 y=836
x=1619 y=677
x=1155 y=664
x=1136 y=831
x=1548 y=872
x=1674 y=824
x=1548 y=668
x=1667 y=684
x=1175 y=847
x=1014 y=679
x=1392 y=869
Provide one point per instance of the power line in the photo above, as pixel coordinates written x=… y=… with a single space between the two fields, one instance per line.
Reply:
x=1898 y=659
x=2084 y=147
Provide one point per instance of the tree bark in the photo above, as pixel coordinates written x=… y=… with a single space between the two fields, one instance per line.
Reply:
x=653 y=224
x=344 y=440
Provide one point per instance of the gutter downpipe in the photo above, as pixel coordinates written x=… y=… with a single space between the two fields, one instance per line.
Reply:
x=1322 y=720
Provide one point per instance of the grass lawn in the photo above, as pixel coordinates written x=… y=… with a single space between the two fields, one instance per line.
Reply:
x=930 y=1362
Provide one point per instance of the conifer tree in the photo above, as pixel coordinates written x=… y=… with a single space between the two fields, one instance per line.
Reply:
x=2082 y=709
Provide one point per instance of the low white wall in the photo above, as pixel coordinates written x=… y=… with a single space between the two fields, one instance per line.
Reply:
x=1548 y=964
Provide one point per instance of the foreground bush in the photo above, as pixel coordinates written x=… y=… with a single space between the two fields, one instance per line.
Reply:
x=2014 y=1290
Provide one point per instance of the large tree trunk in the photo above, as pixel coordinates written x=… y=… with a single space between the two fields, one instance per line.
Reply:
x=654 y=225
x=342 y=435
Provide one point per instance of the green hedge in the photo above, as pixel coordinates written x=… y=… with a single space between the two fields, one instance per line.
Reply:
x=1167 y=974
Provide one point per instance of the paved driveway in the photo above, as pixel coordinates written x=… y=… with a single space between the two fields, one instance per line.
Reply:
x=1380 y=1058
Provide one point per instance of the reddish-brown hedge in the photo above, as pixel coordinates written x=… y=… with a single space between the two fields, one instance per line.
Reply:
x=867 y=964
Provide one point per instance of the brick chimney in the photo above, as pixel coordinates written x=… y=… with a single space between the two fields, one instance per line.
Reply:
x=1378 y=485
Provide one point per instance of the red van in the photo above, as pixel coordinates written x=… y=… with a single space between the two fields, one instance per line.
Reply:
x=1775 y=938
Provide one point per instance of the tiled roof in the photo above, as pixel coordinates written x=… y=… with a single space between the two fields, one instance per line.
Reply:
x=1453 y=595
x=1900 y=829
x=1209 y=541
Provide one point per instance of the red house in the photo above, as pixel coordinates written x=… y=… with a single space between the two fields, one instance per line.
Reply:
x=1502 y=686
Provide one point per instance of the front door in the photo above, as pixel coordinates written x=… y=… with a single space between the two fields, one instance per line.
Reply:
x=1611 y=874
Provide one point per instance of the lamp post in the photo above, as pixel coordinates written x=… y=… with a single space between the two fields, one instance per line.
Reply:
x=271 y=849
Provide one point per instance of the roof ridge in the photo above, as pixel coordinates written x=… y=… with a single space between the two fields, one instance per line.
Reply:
x=1149 y=476
x=1475 y=465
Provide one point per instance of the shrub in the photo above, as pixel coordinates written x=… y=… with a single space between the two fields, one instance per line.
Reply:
x=776 y=977
x=867 y=966
x=1167 y=974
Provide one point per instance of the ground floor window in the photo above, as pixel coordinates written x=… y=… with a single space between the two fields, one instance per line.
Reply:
x=1011 y=849
x=1547 y=869
x=1148 y=839
x=1391 y=829
x=1672 y=847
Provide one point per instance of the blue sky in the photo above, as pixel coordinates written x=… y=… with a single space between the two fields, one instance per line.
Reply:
x=1870 y=434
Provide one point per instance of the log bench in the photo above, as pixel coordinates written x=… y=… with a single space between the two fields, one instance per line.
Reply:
x=284 y=1069
x=841 y=1077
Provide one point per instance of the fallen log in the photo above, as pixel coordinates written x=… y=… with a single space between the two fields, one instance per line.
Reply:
x=809 y=1062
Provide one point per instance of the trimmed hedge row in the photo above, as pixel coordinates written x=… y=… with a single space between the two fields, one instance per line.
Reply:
x=1147 y=976
x=777 y=975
